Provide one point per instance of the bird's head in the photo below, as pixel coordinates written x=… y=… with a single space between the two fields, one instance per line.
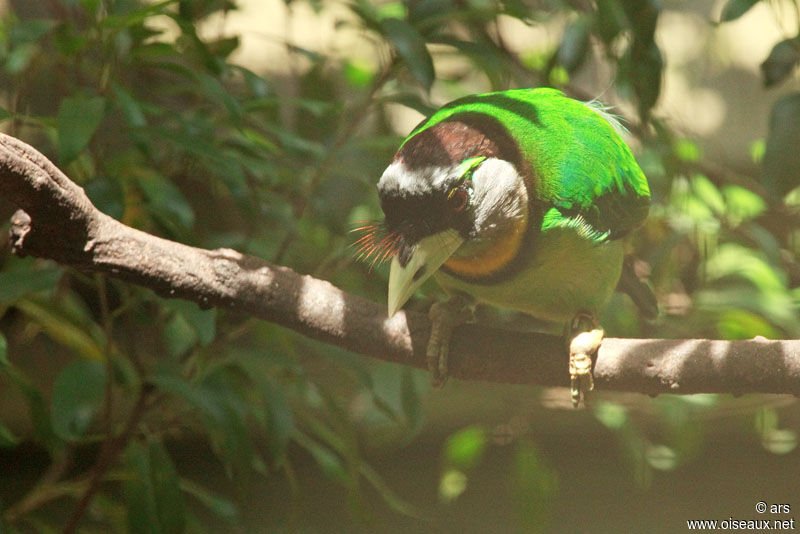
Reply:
x=451 y=210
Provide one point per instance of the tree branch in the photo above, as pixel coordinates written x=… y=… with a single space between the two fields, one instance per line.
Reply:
x=57 y=221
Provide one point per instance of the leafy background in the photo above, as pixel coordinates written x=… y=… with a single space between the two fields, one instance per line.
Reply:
x=264 y=127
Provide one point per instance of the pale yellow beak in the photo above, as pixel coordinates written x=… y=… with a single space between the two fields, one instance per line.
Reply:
x=428 y=256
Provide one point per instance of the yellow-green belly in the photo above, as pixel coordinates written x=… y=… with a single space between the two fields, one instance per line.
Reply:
x=568 y=274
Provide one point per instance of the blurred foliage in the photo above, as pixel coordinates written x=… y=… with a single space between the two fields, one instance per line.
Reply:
x=142 y=104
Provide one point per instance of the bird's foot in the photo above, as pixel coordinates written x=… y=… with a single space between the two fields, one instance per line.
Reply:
x=445 y=317
x=584 y=336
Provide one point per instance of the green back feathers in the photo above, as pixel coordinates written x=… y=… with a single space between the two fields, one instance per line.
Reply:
x=582 y=172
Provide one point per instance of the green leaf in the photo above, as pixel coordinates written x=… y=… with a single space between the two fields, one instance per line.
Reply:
x=611 y=415
x=17 y=283
x=707 y=192
x=742 y=204
x=781 y=61
x=166 y=490
x=465 y=448
x=328 y=461
x=3 y=351
x=410 y=400
x=410 y=46
x=661 y=457
x=735 y=9
x=574 y=44
x=7 y=438
x=223 y=410
x=452 y=484
x=686 y=150
x=63 y=329
x=780 y=441
x=280 y=425
x=219 y=506
x=30 y=31
x=410 y=100
x=77 y=396
x=358 y=73
x=136 y=17
x=164 y=200
x=78 y=120
x=138 y=491
x=535 y=486
x=37 y=408
x=130 y=107
x=781 y=166
x=647 y=66
x=742 y=324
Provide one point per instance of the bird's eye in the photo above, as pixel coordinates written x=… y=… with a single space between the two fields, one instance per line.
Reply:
x=458 y=200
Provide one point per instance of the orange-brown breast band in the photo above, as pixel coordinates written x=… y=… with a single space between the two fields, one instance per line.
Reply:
x=491 y=259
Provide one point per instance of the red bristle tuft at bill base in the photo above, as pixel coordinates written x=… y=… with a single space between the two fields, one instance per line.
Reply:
x=375 y=245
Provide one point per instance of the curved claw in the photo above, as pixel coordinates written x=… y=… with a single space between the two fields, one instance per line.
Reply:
x=581 y=349
x=445 y=317
x=585 y=338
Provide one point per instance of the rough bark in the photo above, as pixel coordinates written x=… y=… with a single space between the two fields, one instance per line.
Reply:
x=57 y=221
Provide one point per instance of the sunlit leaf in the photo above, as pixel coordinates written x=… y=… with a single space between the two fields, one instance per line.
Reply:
x=661 y=457
x=358 y=73
x=79 y=335
x=743 y=324
x=742 y=204
x=757 y=149
x=780 y=441
x=708 y=193
x=766 y=420
x=77 y=396
x=464 y=449
x=735 y=260
x=559 y=76
x=686 y=150
x=395 y=10
x=78 y=120
x=452 y=484
x=610 y=414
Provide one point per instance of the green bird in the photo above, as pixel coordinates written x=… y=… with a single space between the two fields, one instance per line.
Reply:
x=518 y=199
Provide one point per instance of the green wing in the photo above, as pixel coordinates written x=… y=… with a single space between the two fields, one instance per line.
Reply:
x=594 y=184
x=583 y=173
